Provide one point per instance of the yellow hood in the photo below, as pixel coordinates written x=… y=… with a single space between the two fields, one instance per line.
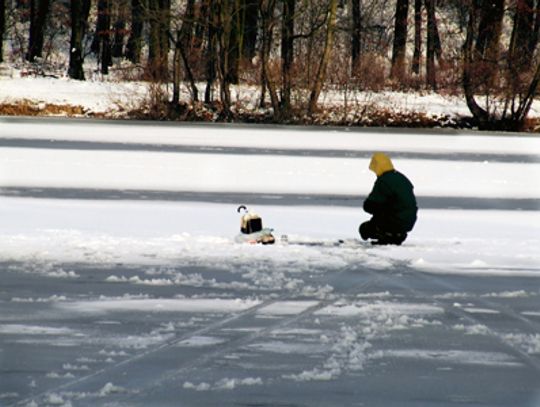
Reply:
x=380 y=163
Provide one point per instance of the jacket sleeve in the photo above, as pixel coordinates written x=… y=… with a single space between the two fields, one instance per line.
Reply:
x=378 y=198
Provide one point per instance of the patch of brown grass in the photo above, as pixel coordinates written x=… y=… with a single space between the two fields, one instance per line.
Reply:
x=29 y=108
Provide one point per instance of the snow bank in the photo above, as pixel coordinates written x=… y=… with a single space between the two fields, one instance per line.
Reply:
x=93 y=96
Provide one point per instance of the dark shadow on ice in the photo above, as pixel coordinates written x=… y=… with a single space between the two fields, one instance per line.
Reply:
x=322 y=153
x=424 y=202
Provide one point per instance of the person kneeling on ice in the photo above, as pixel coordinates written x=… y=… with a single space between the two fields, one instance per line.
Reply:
x=391 y=202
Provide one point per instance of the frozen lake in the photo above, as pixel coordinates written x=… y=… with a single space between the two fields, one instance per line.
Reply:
x=122 y=284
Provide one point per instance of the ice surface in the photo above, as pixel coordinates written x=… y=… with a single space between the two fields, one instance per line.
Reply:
x=122 y=284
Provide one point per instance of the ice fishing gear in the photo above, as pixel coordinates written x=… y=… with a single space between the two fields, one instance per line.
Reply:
x=250 y=222
x=251 y=228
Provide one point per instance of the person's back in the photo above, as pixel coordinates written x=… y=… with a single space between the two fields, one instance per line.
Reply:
x=391 y=202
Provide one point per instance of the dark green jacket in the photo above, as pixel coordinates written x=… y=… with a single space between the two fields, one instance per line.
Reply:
x=392 y=202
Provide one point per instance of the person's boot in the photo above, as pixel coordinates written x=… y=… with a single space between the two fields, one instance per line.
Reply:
x=363 y=230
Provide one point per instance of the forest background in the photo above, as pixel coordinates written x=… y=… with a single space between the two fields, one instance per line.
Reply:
x=195 y=55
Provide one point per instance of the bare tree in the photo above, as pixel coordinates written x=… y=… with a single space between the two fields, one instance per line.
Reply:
x=225 y=23
x=432 y=35
x=487 y=48
x=79 y=17
x=164 y=29
x=2 y=27
x=158 y=44
x=39 y=10
x=234 y=18
x=267 y=10
x=521 y=46
x=251 y=22
x=328 y=44
x=119 y=28
x=211 y=20
x=400 y=39
x=417 y=36
x=101 y=45
x=356 y=38
x=506 y=102
x=134 y=44
x=182 y=45
x=533 y=41
x=287 y=53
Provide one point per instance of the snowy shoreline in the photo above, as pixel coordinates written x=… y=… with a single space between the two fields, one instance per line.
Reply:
x=57 y=97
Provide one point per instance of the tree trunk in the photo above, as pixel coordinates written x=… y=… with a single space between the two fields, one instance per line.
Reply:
x=120 y=29
x=489 y=39
x=158 y=49
x=106 y=55
x=201 y=19
x=2 y=28
x=100 y=27
x=533 y=41
x=287 y=53
x=101 y=45
x=417 y=36
x=479 y=114
x=186 y=44
x=164 y=28
x=154 y=44
x=80 y=10
x=39 y=9
x=400 y=39
x=437 y=37
x=520 y=55
x=431 y=75
x=134 y=44
x=177 y=60
x=516 y=100
x=489 y=31
x=182 y=46
x=188 y=24
x=356 y=41
x=225 y=35
x=251 y=19
x=527 y=101
x=191 y=78
x=267 y=8
x=211 y=50
x=328 y=44
x=232 y=17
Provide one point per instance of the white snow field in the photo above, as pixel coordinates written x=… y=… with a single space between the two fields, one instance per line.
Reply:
x=122 y=284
